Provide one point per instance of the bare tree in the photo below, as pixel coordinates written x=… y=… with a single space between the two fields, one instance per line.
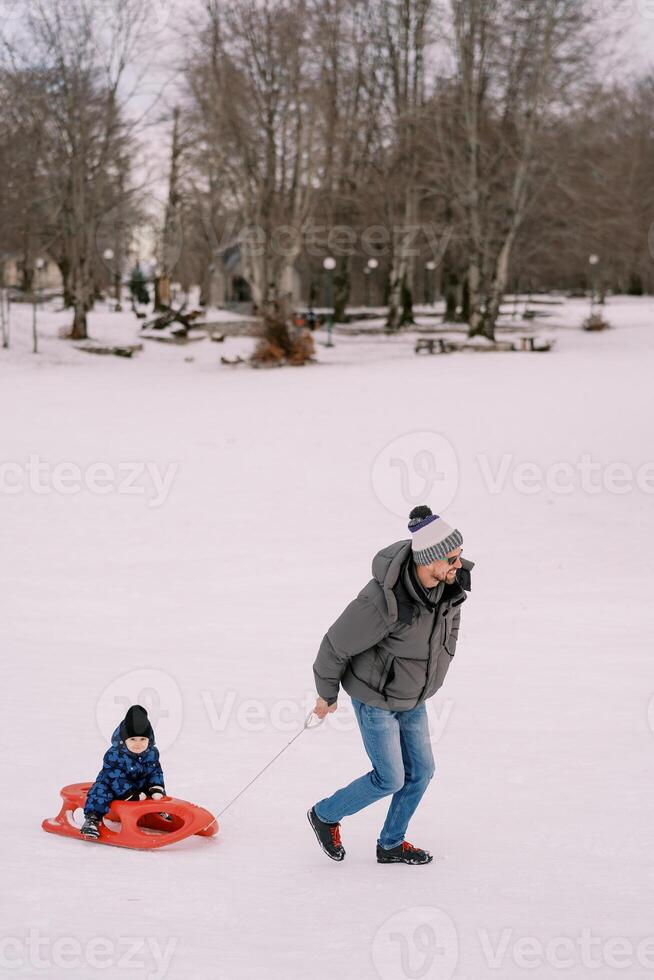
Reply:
x=252 y=89
x=170 y=233
x=406 y=26
x=352 y=91
x=517 y=64
x=80 y=52
x=27 y=209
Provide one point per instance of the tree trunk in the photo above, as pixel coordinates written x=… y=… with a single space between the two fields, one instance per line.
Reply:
x=81 y=287
x=395 y=278
x=450 y=288
x=4 y=317
x=406 y=317
x=168 y=252
x=79 y=329
x=162 y=292
x=64 y=268
x=341 y=289
x=464 y=290
x=498 y=287
x=475 y=312
x=27 y=277
x=399 y=265
x=255 y=275
x=515 y=216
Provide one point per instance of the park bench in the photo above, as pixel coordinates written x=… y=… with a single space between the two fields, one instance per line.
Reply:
x=180 y=337
x=531 y=342
x=532 y=314
x=433 y=345
x=120 y=350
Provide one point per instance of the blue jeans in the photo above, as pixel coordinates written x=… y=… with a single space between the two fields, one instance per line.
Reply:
x=397 y=743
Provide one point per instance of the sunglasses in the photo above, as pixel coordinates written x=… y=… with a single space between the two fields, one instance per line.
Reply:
x=452 y=559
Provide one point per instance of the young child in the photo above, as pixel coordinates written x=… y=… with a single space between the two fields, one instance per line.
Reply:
x=129 y=768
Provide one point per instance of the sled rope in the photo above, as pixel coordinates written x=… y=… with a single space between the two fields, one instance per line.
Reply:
x=307 y=724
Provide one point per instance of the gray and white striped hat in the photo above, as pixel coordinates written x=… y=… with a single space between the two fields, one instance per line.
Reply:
x=431 y=536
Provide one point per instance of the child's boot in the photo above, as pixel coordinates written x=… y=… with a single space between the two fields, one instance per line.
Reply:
x=90 y=827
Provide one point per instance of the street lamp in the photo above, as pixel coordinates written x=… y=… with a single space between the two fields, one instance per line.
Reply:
x=430 y=266
x=108 y=256
x=369 y=269
x=39 y=264
x=118 y=278
x=593 y=261
x=329 y=264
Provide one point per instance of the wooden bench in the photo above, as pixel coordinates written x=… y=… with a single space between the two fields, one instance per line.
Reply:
x=532 y=314
x=530 y=342
x=119 y=350
x=433 y=345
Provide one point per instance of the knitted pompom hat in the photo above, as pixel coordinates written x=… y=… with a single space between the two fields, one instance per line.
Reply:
x=431 y=536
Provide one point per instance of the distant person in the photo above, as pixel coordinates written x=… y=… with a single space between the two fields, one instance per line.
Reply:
x=390 y=650
x=138 y=287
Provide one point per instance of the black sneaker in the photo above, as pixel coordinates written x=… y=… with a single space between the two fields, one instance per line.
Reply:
x=90 y=827
x=404 y=853
x=329 y=836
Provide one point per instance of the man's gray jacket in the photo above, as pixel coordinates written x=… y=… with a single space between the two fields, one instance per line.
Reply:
x=392 y=647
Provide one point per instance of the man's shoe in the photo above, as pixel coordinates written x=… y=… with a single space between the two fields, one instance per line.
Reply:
x=90 y=827
x=404 y=853
x=328 y=834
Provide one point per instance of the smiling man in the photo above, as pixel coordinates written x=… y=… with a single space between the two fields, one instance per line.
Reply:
x=390 y=650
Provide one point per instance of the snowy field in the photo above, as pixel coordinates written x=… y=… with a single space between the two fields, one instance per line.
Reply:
x=208 y=526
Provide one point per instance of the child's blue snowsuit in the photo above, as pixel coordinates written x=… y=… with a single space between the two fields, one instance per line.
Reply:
x=123 y=773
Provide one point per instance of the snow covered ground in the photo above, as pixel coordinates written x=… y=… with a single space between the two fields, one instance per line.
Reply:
x=183 y=533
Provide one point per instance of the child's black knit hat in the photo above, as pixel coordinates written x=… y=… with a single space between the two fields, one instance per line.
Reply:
x=136 y=723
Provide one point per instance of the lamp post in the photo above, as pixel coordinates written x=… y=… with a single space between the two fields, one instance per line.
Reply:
x=371 y=265
x=108 y=255
x=156 y=275
x=430 y=266
x=35 y=338
x=593 y=262
x=329 y=264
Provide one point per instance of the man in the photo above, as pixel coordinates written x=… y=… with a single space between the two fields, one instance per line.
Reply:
x=390 y=650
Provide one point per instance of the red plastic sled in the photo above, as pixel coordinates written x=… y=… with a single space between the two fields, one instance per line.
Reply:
x=141 y=826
